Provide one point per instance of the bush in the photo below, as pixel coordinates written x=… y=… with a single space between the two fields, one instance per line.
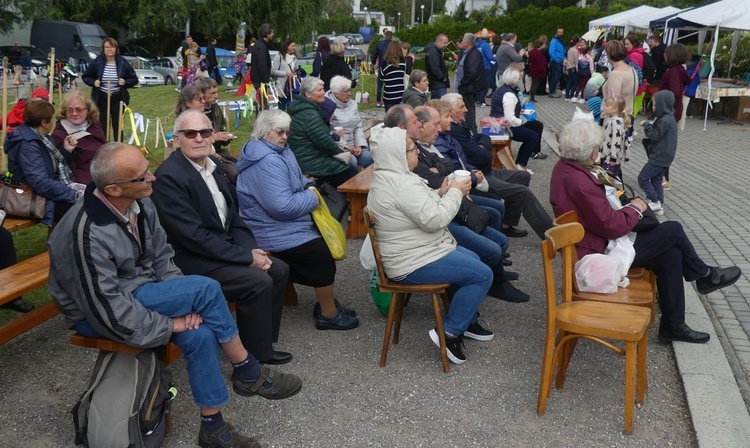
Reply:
x=723 y=54
x=340 y=23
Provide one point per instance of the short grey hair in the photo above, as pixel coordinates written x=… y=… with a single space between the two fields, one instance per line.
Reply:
x=187 y=113
x=309 y=84
x=340 y=83
x=397 y=115
x=416 y=76
x=511 y=77
x=268 y=120
x=578 y=140
x=338 y=49
x=103 y=166
x=204 y=83
x=452 y=99
x=470 y=38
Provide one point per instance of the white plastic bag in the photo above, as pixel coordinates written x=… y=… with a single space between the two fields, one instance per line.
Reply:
x=367 y=256
x=623 y=250
x=599 y=273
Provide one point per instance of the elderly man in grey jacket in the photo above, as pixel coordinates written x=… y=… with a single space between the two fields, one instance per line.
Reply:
x=507 y=54
x=112 y=276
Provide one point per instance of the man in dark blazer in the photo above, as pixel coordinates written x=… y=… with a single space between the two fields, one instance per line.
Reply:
x=209 y=238
x=471 y=82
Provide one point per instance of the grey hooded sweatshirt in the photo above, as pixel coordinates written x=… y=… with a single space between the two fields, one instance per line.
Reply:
x=411 y=219
x=663 y=131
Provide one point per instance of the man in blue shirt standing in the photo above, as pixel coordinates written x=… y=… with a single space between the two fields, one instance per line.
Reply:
x=556 y=57
x=487 y=60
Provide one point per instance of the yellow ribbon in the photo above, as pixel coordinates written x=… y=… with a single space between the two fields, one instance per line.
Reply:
x=129 y=111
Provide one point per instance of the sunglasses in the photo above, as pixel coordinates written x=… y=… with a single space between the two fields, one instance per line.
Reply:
x=192 y=133
x=134 y=181
x=75 y=110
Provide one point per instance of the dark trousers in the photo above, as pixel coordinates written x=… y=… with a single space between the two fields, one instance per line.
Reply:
x=668 y=252
x=530 y=133
x=259 y=300
x=215 y=73
x=7 y=250
x=482 y=94
x=555 y=71
x=339 y=178
x=471 y=115
x=572 y=84
x=513 y=187
x=113 y=112
x=535 y=83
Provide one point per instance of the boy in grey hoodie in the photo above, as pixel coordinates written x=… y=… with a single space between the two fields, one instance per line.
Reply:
x=661 y=146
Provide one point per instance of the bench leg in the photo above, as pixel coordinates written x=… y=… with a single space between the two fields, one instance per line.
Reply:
x=290 y=297
x=26 y=322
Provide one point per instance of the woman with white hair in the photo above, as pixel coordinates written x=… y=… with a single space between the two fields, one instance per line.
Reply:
x=505 y=104
x=416 y=247
x=664 y=249
x=347 y=116
x=335 y=65
x=311 y=137
x=275 y=201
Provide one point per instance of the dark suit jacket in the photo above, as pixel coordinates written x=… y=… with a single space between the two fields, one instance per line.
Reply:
x=477 y=147
x=189 y=216
x=473 y=72
x=429 y=160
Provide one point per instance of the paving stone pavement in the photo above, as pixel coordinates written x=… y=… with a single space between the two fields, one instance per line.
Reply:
x=708 y=197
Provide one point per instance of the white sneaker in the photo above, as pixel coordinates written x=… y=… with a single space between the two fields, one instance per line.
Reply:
x=656 y=207
x=523 y=168
x=569 y=99
x=581 y=100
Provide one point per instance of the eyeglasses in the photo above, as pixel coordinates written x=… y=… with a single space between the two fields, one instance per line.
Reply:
x=347 y=92
x=192 y=133
x=134 y=181
x=75 y=110
x=414 y=148
x=282 y=132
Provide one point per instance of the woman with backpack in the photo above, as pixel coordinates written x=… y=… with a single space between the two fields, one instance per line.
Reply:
x=571 y=69
x=585 y=69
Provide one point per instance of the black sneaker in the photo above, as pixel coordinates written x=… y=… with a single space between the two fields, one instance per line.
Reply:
x=453 y=346
x=478 y=333
x=338 y=321
x=514 y=232
x=539 y=156
x=342 y=309
x=509 y=276
x=272 y=385
x=718 y=278
x=226 y=437
x=507 y=292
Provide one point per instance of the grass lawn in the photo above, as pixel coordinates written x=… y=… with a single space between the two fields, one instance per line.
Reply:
x=152 y=103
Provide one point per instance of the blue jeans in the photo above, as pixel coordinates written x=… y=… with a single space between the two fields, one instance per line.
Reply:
x=179 y=297
x=649 y=179
x=438 y=93
x=572 y=84
x=482 y=93
x=495 y=207
x=379 y=92
x=471 y=279
x=555 y=70
x=365 y=158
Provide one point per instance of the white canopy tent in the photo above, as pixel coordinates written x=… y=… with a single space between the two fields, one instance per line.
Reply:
x=621 y=19
x=728 y=15
x=643 y=21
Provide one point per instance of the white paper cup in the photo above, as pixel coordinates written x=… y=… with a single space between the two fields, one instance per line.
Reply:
x=338 y=128
x=460 y=175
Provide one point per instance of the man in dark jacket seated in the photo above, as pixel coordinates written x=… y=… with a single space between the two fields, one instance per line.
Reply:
x=111 y=275
x=209 y=238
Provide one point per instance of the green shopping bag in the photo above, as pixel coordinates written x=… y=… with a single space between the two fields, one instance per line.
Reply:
x=382 y=299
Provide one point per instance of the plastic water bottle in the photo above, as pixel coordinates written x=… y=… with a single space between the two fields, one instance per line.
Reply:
x=366 y=97
x=358 y=97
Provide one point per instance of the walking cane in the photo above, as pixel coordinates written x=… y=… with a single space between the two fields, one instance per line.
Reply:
x=120 y=122
x=4 y=162
x=109 y=111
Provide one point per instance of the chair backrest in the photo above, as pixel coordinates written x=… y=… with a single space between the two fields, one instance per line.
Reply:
x=561 y=239
x=565 y=218
x=370 y=224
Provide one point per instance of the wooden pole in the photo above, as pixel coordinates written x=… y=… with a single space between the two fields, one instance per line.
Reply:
x=4 y=161
x=109 y=112
x=51 y=72
x=119 y=121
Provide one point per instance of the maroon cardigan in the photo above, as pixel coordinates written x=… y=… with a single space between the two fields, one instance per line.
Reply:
x=675 y=79
x=573 y=187
x=84 y=152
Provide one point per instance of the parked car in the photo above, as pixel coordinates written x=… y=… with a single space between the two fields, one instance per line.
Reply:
x=38 y=57
x=355 y=54
x=168 y=68
x=354 y=38
x=226 y=58
x=147 y=76
x=81 y=42
x=136 y=50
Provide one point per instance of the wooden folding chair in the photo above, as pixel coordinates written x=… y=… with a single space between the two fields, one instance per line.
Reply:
x=402 y=293
x=570 y=320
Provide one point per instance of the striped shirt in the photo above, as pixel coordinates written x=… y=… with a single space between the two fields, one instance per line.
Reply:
x=393 y=82
x=110 y=76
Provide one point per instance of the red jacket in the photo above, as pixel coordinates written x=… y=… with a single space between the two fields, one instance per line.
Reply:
x=537 y=64
x=84 y=152
x=573 y=187
x=15 y=116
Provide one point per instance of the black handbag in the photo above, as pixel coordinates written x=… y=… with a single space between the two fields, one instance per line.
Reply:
x=647 y=222
x=472 y=216
x=337 y=202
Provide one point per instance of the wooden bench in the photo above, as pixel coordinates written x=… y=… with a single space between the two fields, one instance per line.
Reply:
x=17 y=280
x=16 y=224
x=356 y=190
x=502 y=155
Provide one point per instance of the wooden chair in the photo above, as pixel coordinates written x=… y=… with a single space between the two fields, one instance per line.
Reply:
x=640 y=292
x=570 y=320
x=401 y=293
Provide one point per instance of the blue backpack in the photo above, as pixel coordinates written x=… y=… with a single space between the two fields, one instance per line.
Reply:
x=637 y=69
